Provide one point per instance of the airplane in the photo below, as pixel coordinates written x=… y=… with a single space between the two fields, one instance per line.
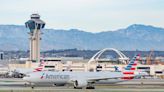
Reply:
x=21 y=72
x=78 y=79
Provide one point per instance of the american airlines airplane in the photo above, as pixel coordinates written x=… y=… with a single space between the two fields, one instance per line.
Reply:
x=80 y=79
x=21 y=72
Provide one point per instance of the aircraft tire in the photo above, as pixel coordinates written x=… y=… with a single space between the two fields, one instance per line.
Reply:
x=25 y=84
x=32 y=87
x=91 y=87
x=77 y=87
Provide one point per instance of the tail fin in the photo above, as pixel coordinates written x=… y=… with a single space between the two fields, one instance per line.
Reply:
x=40 y=67
x=133 y=63
x=129 y=72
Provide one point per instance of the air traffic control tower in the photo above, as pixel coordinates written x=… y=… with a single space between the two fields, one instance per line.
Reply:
x=35 y=24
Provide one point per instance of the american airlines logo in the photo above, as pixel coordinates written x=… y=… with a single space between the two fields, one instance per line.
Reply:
x=51 y=76
x=42 y=76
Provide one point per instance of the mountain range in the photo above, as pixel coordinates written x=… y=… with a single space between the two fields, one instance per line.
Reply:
x=134 y=37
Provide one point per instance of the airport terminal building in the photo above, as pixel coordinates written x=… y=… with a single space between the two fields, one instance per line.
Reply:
x=80 y=64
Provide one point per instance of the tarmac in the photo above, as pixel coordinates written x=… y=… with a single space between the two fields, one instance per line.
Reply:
x=137 y=85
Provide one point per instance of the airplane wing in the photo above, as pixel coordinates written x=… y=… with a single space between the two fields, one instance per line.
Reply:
x=97 y=79
x=94 y=79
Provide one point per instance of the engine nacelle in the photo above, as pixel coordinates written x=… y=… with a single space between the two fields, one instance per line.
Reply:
x=80 y=83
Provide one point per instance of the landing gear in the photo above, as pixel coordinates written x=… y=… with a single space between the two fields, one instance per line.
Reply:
x=77 y=87
x=32 y=87
x=90 y=87
x=25 y=84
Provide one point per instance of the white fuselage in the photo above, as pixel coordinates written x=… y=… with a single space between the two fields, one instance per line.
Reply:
x=52 y=77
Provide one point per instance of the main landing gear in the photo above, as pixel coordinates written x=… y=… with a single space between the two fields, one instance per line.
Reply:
x=90 y=86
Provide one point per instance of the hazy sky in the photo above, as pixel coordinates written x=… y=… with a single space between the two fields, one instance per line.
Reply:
x=87 y=15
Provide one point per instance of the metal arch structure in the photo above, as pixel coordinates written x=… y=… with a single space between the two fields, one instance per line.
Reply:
x=96 y=57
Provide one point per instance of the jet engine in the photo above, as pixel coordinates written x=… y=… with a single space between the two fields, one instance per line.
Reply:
x=80 y=83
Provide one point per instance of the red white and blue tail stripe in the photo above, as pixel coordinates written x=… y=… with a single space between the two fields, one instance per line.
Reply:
x=129 y=72
x=40 y=67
